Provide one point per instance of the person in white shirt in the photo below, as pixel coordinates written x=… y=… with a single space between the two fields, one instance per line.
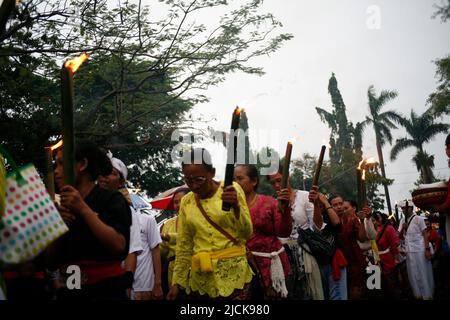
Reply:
x=412 y=229
x=147 y=278
x=304 y=281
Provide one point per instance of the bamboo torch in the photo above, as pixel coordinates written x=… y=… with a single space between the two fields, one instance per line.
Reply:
x=359 y=183
x=366 y=165
x=319 y=166
x=50 y=181
x=67 y=96
x=231 y=154
x=286 y=164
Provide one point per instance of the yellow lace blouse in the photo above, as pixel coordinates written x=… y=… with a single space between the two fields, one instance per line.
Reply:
x=196 y=234
x=168 y=247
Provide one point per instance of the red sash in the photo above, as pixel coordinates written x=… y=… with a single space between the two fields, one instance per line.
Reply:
x=94 y=271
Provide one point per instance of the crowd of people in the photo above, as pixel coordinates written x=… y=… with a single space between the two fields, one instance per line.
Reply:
x=301 y=245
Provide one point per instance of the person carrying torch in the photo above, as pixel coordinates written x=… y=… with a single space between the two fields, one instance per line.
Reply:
x=211 y=257
x=304 y=281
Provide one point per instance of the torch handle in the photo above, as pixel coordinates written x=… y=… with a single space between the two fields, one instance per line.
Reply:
x=67 y=97
x=229 y=172
x=319 y=166
x=358 y=186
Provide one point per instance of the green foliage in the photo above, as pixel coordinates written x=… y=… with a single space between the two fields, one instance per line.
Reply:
x=303 y=172
x=440 y=100
x=143 y=77
x=339 y=175
x=420 y=129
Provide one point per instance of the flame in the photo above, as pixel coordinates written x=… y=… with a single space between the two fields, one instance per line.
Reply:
x=391 y=217
x=371 y=161
x=293 y=139
x=75 y=63
x=326 y=144
x=56 y=145
x=363 y=176
x=238 y=110
x=360 y=164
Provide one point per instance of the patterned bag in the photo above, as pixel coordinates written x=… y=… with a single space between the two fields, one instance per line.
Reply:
x=2 y=185
x=31 y=221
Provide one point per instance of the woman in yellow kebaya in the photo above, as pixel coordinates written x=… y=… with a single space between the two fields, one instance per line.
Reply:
x=169 y=232
x=211 y=260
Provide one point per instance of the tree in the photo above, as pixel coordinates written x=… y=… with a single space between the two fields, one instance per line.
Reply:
x=303 y=172
x=421 y=129
x=440 y=100
x=143 y=77
x=383 y=123
x=346 y=145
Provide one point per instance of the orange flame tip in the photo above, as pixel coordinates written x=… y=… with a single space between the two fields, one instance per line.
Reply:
x=360 y=164
x=56 y=145
x=75 y=63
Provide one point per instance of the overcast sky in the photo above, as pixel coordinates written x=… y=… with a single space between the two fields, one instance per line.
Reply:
x=340 y=37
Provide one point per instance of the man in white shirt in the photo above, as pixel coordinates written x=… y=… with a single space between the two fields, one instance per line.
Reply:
x=412 y=230
x=147 y=278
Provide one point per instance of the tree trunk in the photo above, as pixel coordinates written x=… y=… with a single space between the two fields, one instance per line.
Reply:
x=383 y=173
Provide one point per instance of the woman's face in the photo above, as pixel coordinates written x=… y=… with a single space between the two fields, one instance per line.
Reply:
x=376 y=221
x=177 y=200
x=338 y=205
x=242 y=178
x=348 y=209
x=275 y=181
x=198 y=178
x=113 y=181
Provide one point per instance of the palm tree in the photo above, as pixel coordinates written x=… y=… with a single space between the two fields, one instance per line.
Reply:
x=421 y=129
x=382 y=123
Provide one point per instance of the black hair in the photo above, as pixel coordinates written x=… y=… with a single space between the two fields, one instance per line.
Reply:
x=334 y=196
x=447 y=140
x=353 y=204
x=184 y=190
x=252 y=173
x=378 y=215
x=279 y=170
x=98 y=163
x=192 y=156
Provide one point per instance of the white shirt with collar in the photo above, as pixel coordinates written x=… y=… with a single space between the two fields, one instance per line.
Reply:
x=414 y=241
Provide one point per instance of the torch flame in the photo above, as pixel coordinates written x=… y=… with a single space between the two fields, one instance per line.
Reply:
x=56 y=145
x=75 y=63
x=293 y=139
x=326 y=144
x=238 y=110
x=363 y=176
x=360 y=164
x=371 y=161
